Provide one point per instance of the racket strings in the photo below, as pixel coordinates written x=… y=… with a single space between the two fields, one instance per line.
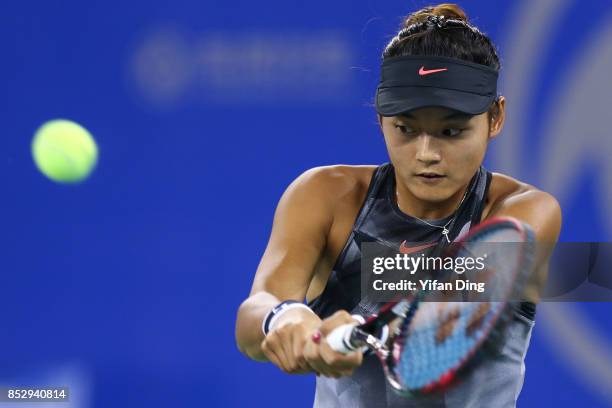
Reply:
x=435 y=341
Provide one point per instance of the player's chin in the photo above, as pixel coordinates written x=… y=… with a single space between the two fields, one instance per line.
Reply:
x=432 y=193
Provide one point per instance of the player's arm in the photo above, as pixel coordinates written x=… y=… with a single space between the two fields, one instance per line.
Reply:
x=542 y=213
x=297 y=243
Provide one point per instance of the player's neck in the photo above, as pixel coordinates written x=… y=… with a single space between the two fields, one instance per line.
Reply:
x=428 y=210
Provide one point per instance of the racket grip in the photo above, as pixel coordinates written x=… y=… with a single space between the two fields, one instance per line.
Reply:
x=340 y=338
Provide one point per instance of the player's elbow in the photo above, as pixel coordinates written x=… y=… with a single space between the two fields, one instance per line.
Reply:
x=239 y=344
x=548 y=218
x=240 y=335
x=246 y=342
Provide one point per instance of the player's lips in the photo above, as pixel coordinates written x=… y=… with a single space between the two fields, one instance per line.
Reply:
x=429 y=174
x=430 y=177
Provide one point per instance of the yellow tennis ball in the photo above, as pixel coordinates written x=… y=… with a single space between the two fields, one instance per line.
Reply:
x=64 y=151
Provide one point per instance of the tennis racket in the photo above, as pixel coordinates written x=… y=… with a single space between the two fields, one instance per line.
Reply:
x=423 y=343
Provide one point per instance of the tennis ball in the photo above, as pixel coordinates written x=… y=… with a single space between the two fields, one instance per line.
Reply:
x=64 y=151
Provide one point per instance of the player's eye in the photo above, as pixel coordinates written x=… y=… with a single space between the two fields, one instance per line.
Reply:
x=404 y=129
x=451 y=132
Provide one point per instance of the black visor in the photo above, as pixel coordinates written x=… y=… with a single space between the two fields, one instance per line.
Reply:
x=414 y=82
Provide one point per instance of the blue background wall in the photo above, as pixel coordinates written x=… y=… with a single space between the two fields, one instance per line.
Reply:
x=126 y=287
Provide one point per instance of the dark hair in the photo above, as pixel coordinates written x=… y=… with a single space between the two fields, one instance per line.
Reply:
x=444 y=31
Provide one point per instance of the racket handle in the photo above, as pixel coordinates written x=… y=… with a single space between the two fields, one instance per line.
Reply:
x=340 y=338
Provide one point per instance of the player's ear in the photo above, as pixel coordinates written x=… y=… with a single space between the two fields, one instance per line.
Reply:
x=497 y=116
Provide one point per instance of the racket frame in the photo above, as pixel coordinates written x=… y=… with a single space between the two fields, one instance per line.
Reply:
x=405 y=308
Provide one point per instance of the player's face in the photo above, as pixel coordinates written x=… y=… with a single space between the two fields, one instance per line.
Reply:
x=436 y=151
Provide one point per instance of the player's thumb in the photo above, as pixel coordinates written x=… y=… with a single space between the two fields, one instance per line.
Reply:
x=337 y=319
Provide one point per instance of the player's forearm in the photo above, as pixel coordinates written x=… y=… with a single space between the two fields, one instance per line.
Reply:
x=248 y=324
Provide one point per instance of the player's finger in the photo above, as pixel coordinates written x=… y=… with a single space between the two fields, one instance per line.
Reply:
x=272 y=342
x=337 y=319
x=293 y=340
x=314 y=360
x=340 y=361
x=299 y=345
x=284 y=339
x=271 y=355
x=311 y=355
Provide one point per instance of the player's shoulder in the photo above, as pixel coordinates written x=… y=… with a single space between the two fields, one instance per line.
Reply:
x=507 y=192
x=335 y=181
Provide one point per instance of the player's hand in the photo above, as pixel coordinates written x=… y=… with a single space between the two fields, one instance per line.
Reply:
x=284 y=346
x=322 y=358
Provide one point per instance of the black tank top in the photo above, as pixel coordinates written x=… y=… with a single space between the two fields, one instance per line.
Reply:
x=380 y=220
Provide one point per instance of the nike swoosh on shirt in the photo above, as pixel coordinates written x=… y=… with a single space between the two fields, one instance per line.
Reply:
x=423 y=71
x=404 y=249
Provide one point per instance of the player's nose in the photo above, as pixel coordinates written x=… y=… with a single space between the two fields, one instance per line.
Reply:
x=427 y=152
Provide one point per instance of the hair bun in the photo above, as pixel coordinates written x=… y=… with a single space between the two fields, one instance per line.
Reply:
x=446 y=10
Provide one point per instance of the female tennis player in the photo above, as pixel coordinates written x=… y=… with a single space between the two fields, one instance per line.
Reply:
x=438 y=109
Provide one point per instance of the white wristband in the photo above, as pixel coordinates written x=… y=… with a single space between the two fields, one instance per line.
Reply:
x=272 y=317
